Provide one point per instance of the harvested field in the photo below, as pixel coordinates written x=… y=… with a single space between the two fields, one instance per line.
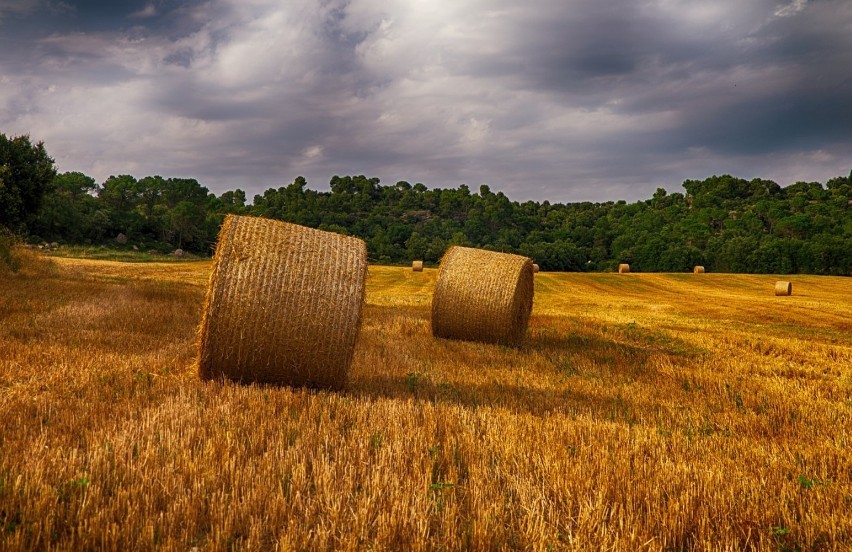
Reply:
x=654 y=412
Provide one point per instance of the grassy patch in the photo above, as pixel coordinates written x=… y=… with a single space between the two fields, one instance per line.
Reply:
x=103 y=253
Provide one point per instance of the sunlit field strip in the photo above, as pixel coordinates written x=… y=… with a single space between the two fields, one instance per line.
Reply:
x=646 y=411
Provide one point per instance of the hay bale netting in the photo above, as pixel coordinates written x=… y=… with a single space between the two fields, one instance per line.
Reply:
x=283 y=304
x=623 y=268
x=417 y=266
x=784 y=288
x=698 y=270
x=482 y=296
x=535 y=268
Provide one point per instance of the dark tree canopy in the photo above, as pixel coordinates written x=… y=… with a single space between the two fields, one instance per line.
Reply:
x=724 y=223
x=26 y=174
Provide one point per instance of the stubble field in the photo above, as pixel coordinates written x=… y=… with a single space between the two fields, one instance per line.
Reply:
x=645 y=412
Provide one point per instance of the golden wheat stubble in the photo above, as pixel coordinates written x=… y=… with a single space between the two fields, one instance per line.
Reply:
x=483 y=296
x=283 y=305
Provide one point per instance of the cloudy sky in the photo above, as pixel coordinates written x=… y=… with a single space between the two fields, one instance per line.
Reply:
x=566 y=100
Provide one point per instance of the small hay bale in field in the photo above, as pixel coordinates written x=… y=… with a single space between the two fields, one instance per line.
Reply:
x=698 y=270
x=535 y=268
x=283 y=304
x=417 y=266
x=623 y=268
x=784 y=288
x=482 y=296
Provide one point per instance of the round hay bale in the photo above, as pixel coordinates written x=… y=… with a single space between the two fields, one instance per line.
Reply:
x=283 y=304
x=784 y=288
x=417 y=266
x=698 y=270
x=535 y=268
x=483 y=296
x=623 y=268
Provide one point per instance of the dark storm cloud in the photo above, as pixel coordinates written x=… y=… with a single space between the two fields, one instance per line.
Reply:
x=549 y=99
x=780 y=123
x=785 y=88
x=603 y=49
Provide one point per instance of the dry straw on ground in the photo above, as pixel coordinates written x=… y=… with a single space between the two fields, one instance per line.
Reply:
x=623 y=268
x=417 y=266
x=283 y=304
x=535 y=268
x=784 y=288
x=483 y=296
x=698 y=269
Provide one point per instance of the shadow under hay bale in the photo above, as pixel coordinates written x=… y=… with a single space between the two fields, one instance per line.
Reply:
x=483 y=296
x=417 y=266
x=623 y=268
x=283 y=305
x=783 y=288
x=698 y=270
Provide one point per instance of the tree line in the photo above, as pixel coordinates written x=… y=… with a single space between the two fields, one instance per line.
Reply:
x=724 y=223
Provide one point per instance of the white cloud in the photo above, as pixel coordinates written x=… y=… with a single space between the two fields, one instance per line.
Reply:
x=150 y=10
x=791 y=9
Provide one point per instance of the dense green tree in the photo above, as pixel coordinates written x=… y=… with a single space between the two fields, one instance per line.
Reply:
x=416 y=246
x=26 y=175
x=71 y=212
x=186 y=223
x=722 y=222
x=120 y=198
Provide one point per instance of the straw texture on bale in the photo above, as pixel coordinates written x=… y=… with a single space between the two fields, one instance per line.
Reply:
x=535 y=268
x=283 y=304
x=417 y=266
x=623 y=268
x=483 y=296
x=698 y=270
x=784 y=288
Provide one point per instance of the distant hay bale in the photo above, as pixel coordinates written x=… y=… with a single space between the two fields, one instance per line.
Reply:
x=417 y=266
x=535 y=268
x=283 y=304
x=784 y=288
x=623 y=268
x=698 y=270
x=483 y=296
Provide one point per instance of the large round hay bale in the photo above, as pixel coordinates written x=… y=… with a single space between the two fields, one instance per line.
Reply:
x=482 y=296
x=623 y=268
x=283 y=304
x=784 y=288
x=535 y=268
x=698 y=269
x=417 y=266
